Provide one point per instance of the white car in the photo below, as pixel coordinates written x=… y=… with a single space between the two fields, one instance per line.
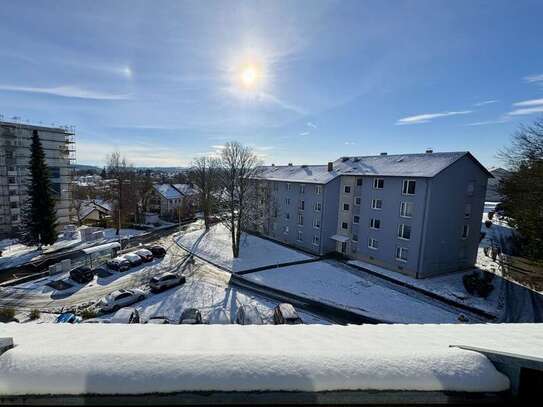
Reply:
x=166 y=280
x=120 y=298
x=146 y=255
x=133 y=258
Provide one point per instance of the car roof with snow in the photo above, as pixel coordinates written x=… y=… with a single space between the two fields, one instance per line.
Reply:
x=132 y=256
x=143 y=252
x=288 y=311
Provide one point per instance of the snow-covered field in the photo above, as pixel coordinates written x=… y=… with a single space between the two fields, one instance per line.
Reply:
x=15 y=254
x=136 y=359
x=336 y=284
x=215 y=246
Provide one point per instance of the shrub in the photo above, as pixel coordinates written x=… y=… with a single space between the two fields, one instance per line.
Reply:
x=34 y=314
x=475 y=284
x=7 y=314
x=87 y=313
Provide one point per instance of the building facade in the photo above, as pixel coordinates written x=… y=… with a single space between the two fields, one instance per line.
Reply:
x=418 y=214
x=58 y=146
x=172 y=201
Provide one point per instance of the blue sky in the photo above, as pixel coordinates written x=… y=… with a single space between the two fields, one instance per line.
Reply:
x=160 y=81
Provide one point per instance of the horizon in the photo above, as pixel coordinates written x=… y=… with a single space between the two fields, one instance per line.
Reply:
x=301 y=82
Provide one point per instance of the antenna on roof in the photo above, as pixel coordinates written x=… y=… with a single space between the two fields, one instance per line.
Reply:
x=429 y=151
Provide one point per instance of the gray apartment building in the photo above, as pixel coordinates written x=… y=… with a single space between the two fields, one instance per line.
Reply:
x=58 y=146
x=418 y=214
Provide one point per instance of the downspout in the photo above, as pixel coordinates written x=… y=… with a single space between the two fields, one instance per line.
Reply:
x=424 y=223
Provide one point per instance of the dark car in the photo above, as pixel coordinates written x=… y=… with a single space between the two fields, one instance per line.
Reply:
x=191 y=316
x=82 y=274
x=158 y=251
x=248 y=315
x=118 y=264
x=285 y=314
x=158 y=319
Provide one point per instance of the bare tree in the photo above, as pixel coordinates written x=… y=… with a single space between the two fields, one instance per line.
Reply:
x=122 y=172
x=204 y=174
x=239 y=165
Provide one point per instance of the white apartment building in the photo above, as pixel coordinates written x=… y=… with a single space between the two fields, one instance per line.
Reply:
x=59 y=149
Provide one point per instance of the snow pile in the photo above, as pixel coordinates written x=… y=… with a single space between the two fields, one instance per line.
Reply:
x=336 y=284
x=137 y=359
x=216 y=247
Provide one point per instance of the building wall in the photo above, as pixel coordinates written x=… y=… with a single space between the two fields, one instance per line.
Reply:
x=15 y=141
x=389 y=217
x=444 y=249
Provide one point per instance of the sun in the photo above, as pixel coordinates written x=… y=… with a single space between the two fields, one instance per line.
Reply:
x=250 y=76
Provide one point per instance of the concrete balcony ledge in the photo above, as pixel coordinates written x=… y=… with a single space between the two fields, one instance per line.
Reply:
x=311 y=364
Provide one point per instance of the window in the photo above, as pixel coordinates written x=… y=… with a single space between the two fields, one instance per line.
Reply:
x=357 y=200
x=375 y=223
x=287 y=201
x=406 y=209
x=285 y=231
x=355 y=237
x=471 y=188
x=318 y=189
x=344 y=225
x=288 y=186
x=301 y=205
x=408 y=187
x=316 y=240
x=347 y=189
x=11 y=180
x=317 y=206
x=373 y=243
x=401 y=253
x=316 y=223
x=300 y=220
x=302 y=188
x=346 y=207
x=54 y=172
x=376 y=204
x=287 y=216
x=465 y=231
x=13 y=204
x=359 y=182
x=300 y=236
x=467 y=211
x=356 y=219
x=404 y=232
x=378 y=183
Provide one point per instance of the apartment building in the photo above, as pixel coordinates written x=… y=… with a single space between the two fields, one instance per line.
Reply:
x=418 y=214
x=58 y=146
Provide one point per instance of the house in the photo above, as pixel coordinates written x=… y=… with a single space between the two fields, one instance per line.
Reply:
x=95 y=213
x=418 y=214
x=172 y=201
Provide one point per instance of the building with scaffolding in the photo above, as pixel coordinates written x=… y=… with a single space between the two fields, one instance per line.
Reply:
x=59 y=148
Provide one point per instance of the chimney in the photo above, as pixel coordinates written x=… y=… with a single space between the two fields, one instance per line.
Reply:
x=330 y=166
x=290 y=164
x=383 y=153
x=273 y=165
x=429 y=151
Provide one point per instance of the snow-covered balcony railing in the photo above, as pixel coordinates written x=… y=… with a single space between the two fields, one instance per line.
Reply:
x=364 y=363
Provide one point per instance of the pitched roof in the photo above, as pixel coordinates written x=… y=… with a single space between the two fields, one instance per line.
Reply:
x=411 y=165
x=168 y=191
x=185 y=189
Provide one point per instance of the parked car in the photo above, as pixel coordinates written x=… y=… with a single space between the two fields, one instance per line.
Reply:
x=68 y=318
x=166 y=280
x=191 y=316
x=133 y=258
x=118 y=264
x=146 y=255
x=95 y=321
x=219 y=316
x=158 y=319
x=158 y=251
x=285 y=314
x=128 y=315
x=82 y=274
x=101 y=272
x=248 y=315
x=120 y=298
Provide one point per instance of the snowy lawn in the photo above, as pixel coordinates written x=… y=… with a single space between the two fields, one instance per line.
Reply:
x=336 y=284
x=215 y=246
x=137 y=359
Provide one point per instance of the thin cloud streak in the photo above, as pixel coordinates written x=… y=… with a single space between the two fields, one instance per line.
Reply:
x=486 y=102
x=66 y=91
x=428 y=117
x=534 y=78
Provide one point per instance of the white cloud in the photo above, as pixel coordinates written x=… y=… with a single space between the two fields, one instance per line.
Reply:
x=534 y=78
x=304 y=133
x=484 y=123
x=532 y=102
x=350 y=143
x=486 y=102
x=66 y=91
x=427 y=117
x=312 y=125
x=527 y=107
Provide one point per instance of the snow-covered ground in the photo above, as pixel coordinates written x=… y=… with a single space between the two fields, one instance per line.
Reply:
x=337 y=284
x=215 y=246
x=15 y=254
x=137 y=359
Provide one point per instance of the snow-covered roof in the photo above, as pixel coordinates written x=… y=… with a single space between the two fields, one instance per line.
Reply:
x=185 y=189
x=410 y=165
x=168 y=191
x=89 y=206
x=142 y=358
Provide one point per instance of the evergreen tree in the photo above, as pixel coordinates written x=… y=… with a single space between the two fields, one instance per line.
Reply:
x=39 y=216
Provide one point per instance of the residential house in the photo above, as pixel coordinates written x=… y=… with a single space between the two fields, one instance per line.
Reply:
x=172 y=201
